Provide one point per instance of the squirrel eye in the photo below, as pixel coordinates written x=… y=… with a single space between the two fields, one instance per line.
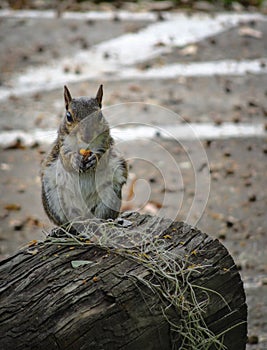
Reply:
x=69 y=117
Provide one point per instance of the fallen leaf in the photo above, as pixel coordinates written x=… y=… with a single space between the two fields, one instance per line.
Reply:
x=150 y=208
x=129 y=191
x=250 y=32
x=160 y=44
x=32 y=243
x=169 y=189
x=189 y=50
x=17 y=144
x=135 y=88
x=32 y=221
x=32 y=251
x=12 y=207
x=17 y=225
x=38 y=120
x=5 y=166
x=78 y=263
x=216 y=216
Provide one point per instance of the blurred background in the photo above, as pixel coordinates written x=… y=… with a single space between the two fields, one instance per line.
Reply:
x=185 y=93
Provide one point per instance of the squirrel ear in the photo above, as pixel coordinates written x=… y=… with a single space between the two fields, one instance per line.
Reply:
x=99 y=95
x=67 y=96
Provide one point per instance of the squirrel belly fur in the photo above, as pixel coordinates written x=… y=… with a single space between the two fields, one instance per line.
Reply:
x=82 y=176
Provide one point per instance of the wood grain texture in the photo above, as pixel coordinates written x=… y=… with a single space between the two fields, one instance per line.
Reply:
x=48 y=304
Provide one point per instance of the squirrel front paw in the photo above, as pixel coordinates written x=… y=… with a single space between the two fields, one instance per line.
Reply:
x=82 y=164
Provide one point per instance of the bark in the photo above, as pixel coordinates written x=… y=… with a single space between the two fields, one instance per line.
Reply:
x=46 y=303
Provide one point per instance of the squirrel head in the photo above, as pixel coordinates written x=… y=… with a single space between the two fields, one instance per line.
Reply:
x=81 y=107
x=84 y=118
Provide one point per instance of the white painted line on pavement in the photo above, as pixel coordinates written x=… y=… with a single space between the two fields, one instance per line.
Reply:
x=127 y=50
x=81 y=16
x=197 y=69
x=179 y=132
x=52 y=78
x=125 y=15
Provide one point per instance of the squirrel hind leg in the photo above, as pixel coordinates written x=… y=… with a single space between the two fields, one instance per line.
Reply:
x=62 y=232
x=107 y=212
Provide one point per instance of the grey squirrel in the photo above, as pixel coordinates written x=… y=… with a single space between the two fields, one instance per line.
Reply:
x=82 y=176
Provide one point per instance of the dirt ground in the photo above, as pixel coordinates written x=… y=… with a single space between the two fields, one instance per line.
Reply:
x=232 y=179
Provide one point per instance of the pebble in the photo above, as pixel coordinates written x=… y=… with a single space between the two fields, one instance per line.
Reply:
x=230 y=221
x=222 y=236
x=227 y=87
x=189 y=50
x=208 y=143
x=17 y=225
x=78 y=70
x=236 y=118
x=236 y=6
x=90 y=22
x=253 y=339
x=264 y=111
x=218 y=121
x=203 y=6
x=161 y=6
x=252 y=103
x=116 y=18
x=212 y=41
x=215 y=176
x=229 y=170
x=66 y=69
x=247 y=183
x=21 y=188
x=17 y=144
x=227 y=153
x=5 y=166
x=40 y=48
x=252 y=198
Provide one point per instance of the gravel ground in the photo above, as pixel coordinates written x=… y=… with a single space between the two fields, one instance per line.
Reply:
x=232 y=179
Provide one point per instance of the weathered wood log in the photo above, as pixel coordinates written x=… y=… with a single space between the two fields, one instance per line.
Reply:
x=103 y=296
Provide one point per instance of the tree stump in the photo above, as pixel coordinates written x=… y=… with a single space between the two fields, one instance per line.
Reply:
x=156 y=284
